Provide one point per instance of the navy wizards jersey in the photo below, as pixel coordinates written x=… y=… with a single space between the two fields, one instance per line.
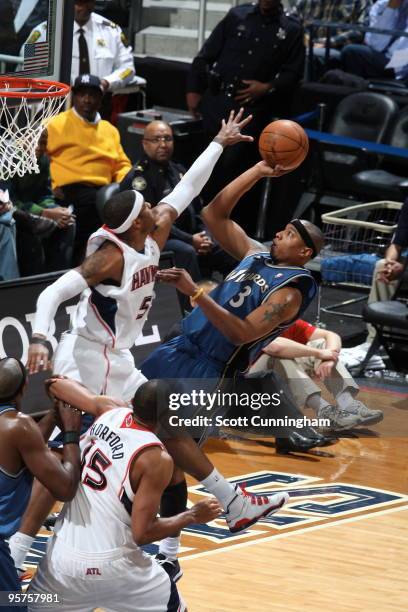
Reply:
x=15 y=491
x=246 y=288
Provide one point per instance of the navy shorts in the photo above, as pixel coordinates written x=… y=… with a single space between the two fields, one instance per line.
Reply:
x=8 y=576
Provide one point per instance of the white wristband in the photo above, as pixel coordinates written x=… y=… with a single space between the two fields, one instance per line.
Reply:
x=194 y=179
x=66 y=287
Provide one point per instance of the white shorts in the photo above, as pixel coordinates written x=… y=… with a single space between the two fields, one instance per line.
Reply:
x=121 y=581
x=99 y=368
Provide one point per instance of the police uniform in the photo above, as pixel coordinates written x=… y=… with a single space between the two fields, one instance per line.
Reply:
x=247 y=45
x=155 y=181
x=110 y=55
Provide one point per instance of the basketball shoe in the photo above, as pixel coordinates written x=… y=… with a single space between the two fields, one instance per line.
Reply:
x=246 y=509
x=170 y=566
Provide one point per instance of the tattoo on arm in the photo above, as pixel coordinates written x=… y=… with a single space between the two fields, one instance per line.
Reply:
x=94 y=266
x=273 y=311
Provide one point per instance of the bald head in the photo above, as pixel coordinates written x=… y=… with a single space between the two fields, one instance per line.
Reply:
x=158 y=141
x=12 y=379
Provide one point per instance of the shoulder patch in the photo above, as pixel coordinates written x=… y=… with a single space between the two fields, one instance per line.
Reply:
x=139 y=183
x=124 y=39
x=34 y=36
x=125 y=73
x=109 y=24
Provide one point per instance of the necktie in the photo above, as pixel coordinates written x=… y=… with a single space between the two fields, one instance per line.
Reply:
x=84 y=67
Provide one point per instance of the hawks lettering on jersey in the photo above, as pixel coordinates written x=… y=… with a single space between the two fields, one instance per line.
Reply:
x=114 y=315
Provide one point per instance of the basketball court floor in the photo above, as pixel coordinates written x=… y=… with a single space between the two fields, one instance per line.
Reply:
x=340 y=544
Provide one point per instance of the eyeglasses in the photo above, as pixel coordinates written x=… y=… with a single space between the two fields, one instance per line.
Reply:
x=159 y=139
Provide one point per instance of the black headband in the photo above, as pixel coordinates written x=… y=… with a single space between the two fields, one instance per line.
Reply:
x=307 y=239
x=20 y=386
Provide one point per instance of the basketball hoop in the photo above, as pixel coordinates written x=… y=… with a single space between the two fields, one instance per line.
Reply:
x=26 y=106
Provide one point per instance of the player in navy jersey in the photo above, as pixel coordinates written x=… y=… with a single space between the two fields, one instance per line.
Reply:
x=261 y=297
x=24 y=454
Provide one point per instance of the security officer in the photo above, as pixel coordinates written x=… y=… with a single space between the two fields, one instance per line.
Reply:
x=155 y=175
x=254 y=58
x=99 y=47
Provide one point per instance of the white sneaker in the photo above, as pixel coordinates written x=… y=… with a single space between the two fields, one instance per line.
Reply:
x=246 y=508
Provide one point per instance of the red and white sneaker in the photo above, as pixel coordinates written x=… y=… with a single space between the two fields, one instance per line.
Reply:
x=246 y=508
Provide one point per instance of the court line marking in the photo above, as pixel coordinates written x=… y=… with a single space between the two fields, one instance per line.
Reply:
x=292 y=533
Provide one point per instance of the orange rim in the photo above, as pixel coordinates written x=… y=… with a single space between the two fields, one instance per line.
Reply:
x=9 y=85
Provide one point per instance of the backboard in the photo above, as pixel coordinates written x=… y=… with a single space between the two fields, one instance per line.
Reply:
x=36 y=38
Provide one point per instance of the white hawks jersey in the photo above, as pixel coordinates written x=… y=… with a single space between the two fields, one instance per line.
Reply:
x=98 y=519
x=113 y=315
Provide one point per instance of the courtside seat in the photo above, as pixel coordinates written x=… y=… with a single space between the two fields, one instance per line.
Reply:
x=390 y=313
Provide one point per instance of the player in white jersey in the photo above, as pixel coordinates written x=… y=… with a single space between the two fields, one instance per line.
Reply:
x=94 y=559
x=116 y=283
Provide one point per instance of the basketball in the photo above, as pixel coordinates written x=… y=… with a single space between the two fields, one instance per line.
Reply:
x=285 y=143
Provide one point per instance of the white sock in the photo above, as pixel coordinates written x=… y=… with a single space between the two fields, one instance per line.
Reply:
x=170 y=547
x=344 y=399
x=218 y=486
x=316 y=401
x=20 y=544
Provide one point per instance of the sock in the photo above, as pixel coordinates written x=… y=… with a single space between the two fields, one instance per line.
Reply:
x=20 y=544
x=344 y=399
x=170 y=547
x=316 y=401
x=223 y=490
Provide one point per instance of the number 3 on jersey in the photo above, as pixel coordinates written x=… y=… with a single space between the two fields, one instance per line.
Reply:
x=238 y=300
x=92 y=469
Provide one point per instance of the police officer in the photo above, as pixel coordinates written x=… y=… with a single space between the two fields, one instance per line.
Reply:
x=254 y=58
x=99 y=47
x=155 y=175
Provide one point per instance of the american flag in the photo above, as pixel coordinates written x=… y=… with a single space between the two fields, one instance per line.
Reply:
x=35 y=56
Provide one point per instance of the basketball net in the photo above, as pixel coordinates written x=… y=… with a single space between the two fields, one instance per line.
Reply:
x=26 y=106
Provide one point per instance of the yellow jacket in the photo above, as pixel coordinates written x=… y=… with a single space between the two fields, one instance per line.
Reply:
x=83 y=152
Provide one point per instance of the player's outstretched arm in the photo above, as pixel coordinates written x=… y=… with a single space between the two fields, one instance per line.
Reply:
x=75 y=394
x=285 y=348
x=106 y=262
x=281 y=306
x=231 y=236
x=61 y=479
x=196 y=177
x=151 y=474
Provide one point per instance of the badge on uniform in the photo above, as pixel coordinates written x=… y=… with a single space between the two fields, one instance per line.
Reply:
x=100 y=42
x=34 y=36
x=281 y=34
x=139 y=183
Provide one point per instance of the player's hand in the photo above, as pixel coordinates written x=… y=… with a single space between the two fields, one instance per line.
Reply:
x=325 y=369
x=202 y=243
x=38 y=358
x=179 y=278
x=206 y=510
x=252 y=91
x=50 y=381
x=265 y=170
x=230 y=132
x=328 y=355
x=68 y=417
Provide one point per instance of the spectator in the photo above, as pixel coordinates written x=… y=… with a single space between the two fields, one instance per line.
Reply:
x=253 y=58
x=304 y=351
x=387 y=273
x=336 y=11
x=8 y=255
x=370 y=60
x=85 y=154
x=155 y=175
x=42 y=247
x=99 y=47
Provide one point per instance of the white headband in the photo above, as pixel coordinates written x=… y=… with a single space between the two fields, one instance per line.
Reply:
x=137 y=207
